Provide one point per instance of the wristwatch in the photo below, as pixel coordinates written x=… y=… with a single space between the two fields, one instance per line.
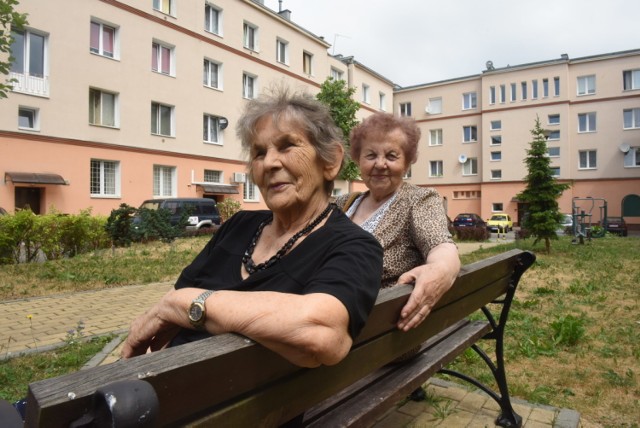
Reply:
x=197 y=311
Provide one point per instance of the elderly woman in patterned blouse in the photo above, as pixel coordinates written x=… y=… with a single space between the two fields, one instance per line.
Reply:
x=408 y=221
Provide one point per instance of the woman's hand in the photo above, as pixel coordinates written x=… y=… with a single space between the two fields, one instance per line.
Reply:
x=431 y=281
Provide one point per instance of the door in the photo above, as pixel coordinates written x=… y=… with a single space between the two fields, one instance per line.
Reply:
x=28 y=197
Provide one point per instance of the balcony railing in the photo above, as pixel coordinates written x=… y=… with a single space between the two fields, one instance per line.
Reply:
x=32 y=85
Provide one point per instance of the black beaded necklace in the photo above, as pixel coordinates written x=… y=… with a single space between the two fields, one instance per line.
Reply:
x=252 y=268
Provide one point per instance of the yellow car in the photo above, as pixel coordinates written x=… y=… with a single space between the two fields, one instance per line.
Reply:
x=500 y=222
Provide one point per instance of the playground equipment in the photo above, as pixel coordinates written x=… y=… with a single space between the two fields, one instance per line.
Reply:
x=582 y=218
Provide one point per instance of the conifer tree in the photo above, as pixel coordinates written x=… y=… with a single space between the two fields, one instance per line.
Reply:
x=541 y=192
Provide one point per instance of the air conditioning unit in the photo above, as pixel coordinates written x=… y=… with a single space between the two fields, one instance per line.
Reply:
x=239 y=177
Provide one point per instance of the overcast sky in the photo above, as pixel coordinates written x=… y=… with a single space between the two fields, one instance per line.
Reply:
x=421 y=41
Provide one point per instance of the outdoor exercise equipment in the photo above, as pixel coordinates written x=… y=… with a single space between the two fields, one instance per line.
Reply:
x=582 y=219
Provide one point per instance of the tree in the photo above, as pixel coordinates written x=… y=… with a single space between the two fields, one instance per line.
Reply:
x=542 y=191
x=343 y=108
x=10 y=20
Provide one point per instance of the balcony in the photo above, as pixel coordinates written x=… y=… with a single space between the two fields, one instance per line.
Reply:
x=31 y=85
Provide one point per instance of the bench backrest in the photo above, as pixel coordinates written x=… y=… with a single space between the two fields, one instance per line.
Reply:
x=228 y=380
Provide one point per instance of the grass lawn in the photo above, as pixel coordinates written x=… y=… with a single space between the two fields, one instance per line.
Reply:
x=573 y=338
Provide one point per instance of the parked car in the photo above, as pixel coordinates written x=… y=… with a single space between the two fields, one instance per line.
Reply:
x=500 y=222
x=469 y=220
x=566 y=225
x=616 y=225
x=202 y=212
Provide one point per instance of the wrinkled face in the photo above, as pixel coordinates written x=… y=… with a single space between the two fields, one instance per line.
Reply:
x=286 y=167
x=383 y=162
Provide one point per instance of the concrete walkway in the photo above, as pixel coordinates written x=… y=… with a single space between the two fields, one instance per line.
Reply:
x=39 y=324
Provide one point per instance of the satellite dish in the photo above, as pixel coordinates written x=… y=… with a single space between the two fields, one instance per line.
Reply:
x=624 y=148
x=223 y=122
x=462 y=158
x=490 y=65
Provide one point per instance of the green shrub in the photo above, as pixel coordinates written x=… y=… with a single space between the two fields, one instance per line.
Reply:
x=568 y=330
x=119 y=225
x=227 y=208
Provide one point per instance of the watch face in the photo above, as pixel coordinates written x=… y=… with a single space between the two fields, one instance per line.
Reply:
x=195 y=312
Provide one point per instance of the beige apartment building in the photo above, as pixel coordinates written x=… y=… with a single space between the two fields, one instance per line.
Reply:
x=122 y=101
x=476 y=131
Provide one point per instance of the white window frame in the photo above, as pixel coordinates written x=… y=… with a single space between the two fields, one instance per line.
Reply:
x=514 y=93
x=100 y=49
x=470 y=167
x=523 y=90
x=250 y=192
x=503 y=94
x=210 y=123
x=307 y=63
x=282 y=51
x=632 y=158
x=492 y=95
x=208 y=176
x=106 y=170
x=158 y=52
x=469 y=101
x=170 y=8
x=405 y=109
x=496 y=174
x=555 y=171
x=495 y=125
x=207 y=74
x=631 y=118
x=436 y=168
x=586 y=85
x=545 y=88
x=496 y=156
x=164 y=181
x=336 y=74
x=28 y=80
x=382 y=101
x=590 y=122
x=497 y=207
x=250 y=36
x=496 y=140
x=35 y=118
x=435 y=137
x=98 y=114
x=553 y=152
x=366 y=93
x=587 y=159
x=631 y=80
x=472 y=129
x=534 y=89
x=556 y=86
x=157 y=110
x=212 y=19
x=554 y=122
x=249 y=86
x=435 y=105
x=554 y=136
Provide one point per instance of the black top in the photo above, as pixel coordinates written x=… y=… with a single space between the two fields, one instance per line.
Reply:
x=339 y=259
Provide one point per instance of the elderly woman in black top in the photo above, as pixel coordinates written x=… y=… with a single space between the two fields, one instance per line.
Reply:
x=301 y=278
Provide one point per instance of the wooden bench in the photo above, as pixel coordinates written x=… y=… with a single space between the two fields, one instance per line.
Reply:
x=228 y=380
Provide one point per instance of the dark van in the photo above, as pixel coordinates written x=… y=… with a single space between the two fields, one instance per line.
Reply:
x=202 y=212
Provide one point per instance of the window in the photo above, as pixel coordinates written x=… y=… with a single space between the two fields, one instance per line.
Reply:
x=435 y=106
x=545 y=88
x=212 y=74
x=497 y=207
x=555 y=171
x=164 y=6
x=496 y=156
x=435 y=137
x=534 y=89
x=556 y=86
x=503 y=94
x=470 y=167
x=631 y=118
x=523 y=88
x=250 y=36
x=382 y=98
x=164 y=180
x=587 y=85
x=161 y=119
x=336 y=74
x=496 y=174
x=553 y=119
x=514 y=95
x=496 y=125
x=470 y=134
x=435 y=168
x=211 y=131
x=282 y=51
x=554 y=135
x=469 y=101
x=496 y=140
x=102 y=108
x=632 y=157
x=553 y=152
x=212 y=176
x=29 y=67
x=249 y=86
x=405 y=109
x=587 y=159
x=631 y=79
x=587 y=122
x=28 y=119
x=105 y=178
x=307 y=63
x=212 y=19
x=492 y=95
x=365 y=94
x=102 y=39
x=161 y=58
x=250 y=192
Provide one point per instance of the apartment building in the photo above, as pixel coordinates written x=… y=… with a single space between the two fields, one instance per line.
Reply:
x=121 y=101
x=476 y=131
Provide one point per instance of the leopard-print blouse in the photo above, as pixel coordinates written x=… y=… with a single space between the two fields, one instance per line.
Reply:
x=414 y=224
